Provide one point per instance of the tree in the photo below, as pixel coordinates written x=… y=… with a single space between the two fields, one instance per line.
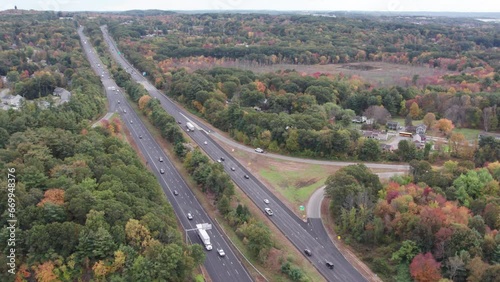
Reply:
x=476 y=267
x=378 y=113
x=429 y=120
x=407 y=150
x=406 y=252
x=445 y=126
x=424 y=268
x=369 y=150
x=224 y=205
x=414 y=110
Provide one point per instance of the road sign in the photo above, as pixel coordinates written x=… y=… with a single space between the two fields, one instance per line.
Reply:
x=302 y=208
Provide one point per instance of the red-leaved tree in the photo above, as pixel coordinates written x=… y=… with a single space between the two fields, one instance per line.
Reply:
x=424 y=268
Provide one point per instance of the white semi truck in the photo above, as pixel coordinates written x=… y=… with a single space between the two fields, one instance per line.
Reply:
x=204 y=237
x=190 y=126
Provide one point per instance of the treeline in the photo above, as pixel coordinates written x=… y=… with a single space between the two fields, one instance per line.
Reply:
x=421 y=232
x=271 y=39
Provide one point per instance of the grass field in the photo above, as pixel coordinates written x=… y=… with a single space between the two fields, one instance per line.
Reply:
x=296 y=187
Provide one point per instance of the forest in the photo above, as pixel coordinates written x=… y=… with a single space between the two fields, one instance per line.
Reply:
x=310 y=115
x=421 y=228
x=86 y=207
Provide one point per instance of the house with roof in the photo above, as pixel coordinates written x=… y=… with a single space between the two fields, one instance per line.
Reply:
x=392 y=125
x=421 y=129
x=488 y=134
x=64 y=94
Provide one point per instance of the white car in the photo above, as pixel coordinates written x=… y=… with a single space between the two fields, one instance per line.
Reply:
x=268 y=211
x=189 y=216
x=205 y=142
x=221 y=252
x=259 y=150
x=266 y=201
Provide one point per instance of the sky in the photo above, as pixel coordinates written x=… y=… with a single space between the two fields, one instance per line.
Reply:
x=283 y=5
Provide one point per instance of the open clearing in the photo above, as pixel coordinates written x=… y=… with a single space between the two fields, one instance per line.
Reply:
x=292 y=182
x=377 y=73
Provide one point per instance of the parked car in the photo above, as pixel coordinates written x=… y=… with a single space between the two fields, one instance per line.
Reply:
x=268 y=211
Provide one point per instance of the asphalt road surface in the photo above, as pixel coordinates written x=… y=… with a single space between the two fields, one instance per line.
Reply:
x=303 y=235
x=222 y=269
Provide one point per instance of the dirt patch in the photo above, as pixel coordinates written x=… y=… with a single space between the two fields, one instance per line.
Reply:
x=305 y=182
x=362 y=67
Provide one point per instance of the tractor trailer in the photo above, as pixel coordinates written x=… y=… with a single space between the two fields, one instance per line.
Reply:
x=190 y=126
x=204 y=237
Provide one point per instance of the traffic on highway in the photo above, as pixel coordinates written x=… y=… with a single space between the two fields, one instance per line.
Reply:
x=222 y=264
x=304 y=235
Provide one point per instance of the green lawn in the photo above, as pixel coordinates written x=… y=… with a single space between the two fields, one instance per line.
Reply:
x=470 y=134
x=296 y=187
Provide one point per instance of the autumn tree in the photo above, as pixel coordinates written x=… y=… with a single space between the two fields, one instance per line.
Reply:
x=378 y=113
x=424 y=268
x=445 y=126
x=414 y=110
x=143 y=101
x=429 y=120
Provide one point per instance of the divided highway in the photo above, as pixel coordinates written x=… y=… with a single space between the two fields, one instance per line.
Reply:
x=302 y=235
x=223 y=269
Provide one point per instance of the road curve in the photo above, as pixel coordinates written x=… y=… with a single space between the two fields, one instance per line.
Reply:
x=310 y=161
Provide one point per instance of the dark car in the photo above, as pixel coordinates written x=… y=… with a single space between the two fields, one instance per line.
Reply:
x=246 y=176
x=222 y=159
x=308 y=252
x=329 y=265
x=140 y=136
x=176 y=192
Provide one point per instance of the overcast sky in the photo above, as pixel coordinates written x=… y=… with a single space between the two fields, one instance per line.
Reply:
x=332 y=5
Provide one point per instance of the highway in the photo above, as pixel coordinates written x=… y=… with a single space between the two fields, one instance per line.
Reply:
x=302 y=235
x=220 y=269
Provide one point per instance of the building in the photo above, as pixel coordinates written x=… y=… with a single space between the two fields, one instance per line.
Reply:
x=359 y=119
x=63 y=93
x=12 y=102
x=488 y=134
x=421 y=129
x=392 y=125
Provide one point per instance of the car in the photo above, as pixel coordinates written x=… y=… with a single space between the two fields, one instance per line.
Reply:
x=162 y=171
x=118 y=101
x=308 y=252
x=246 y=176
x=233 y=169
x=176 y=192
x=124 y=111
x=330 y=265
x=131 y=121
x=189 y=216
x=259 y=150
x=206 y=143
x=97 y=64
x=140 y=136
x=222 y=159
x=179 y=122
x=219 y=161
x=266 y=201
x=268 y=211
x=221 y=252
x=160 y=159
